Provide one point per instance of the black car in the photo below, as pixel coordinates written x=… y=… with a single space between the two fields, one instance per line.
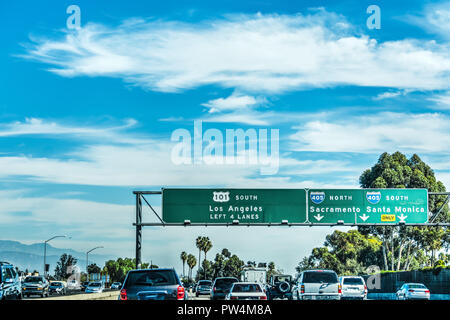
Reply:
x=221 y=287
x=279 y=287
x=153 y=284
x=35 y=285
x=84 y=285
x=10 y=287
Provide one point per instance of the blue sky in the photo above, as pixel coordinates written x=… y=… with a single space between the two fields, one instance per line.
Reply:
x=86 y=115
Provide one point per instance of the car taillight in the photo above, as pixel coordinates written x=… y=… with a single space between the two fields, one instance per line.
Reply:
x=365 y=288
x=214 y=289
x=233 y=298
x=411 y=290
x=123 y=294
x=427 y=291
x=263 y=298
x=180 y=293
x=339 y=289
x=302 y=289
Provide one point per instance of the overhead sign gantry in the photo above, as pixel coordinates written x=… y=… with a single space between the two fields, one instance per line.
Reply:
x=288 y=207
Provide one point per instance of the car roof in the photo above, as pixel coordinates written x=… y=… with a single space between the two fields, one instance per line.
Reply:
x=154 y=269
x=318 y=270
x=246 y=282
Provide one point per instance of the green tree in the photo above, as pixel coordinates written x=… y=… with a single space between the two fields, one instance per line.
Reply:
x=93 y=268
x=233 y=267
x=65 y=261
x=191 y=262
x=118 y=269
x=207 y=245
x=396 y=171
x=347 y=253
x=183 y=257
x=199 y=243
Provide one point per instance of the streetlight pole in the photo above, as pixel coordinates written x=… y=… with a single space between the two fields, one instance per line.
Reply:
x=45 y=253
x=87 y=263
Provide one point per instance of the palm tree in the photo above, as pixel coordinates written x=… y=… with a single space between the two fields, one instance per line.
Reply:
x=199 y=243
x=183 y=258
x=207 y=245
x=191 y=262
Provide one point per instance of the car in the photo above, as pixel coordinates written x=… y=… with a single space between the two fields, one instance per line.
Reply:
x=203 y=287
x=221 y=287
x=10 y=285
x=153 y=284
x=413 y=291
x=94 y=287
x=353 y=287
x=73 y=285
x=246 y=291
x=318 y=285
x=279 y=287
x=116 y=285
x=84 y=285
x=35 y=285
x=58 y=287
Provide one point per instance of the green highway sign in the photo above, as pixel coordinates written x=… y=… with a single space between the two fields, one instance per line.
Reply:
x=228 y=205
x=365 y=206
x=316 y=206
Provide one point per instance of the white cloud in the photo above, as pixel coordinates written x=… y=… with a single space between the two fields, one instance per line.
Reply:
x=269 y=53
x=387 y=131
x=391 y=94
x=233 y=102
x=35 y=126
x=442 y=101
x=132 y=162
x=438 y=18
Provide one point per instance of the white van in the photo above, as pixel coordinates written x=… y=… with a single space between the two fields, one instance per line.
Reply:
x=353 y=287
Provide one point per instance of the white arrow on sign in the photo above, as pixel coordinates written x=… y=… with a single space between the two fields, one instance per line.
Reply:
x=364 y=217
x=402 y=218
x=318 y=217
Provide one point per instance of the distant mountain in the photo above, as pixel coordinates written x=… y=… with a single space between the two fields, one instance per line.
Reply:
x=31 y=256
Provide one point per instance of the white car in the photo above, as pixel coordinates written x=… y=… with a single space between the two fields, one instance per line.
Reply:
x=116 y=286
x=353 y=287
x=94 y=287
x=413 y=291
x=246 y=291
x=318 y=285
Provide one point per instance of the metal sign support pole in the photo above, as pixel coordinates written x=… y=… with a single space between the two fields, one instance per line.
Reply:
x=138 y=230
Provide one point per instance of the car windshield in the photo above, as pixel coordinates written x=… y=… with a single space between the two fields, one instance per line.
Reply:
x=416 y=286
x=353 y=281
x=283 y=278
x=225 y=283
x=246 y=288
x=204 y=283
x=33 y=279
x=94 y=284
x=320 y=277
x=151 y=278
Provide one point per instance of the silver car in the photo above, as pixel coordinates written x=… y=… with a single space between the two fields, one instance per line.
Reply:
x=413 y=291
x=318 y=285
x=353 y=287
x=116 y=286
x=94 y=287
x=246 y=291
